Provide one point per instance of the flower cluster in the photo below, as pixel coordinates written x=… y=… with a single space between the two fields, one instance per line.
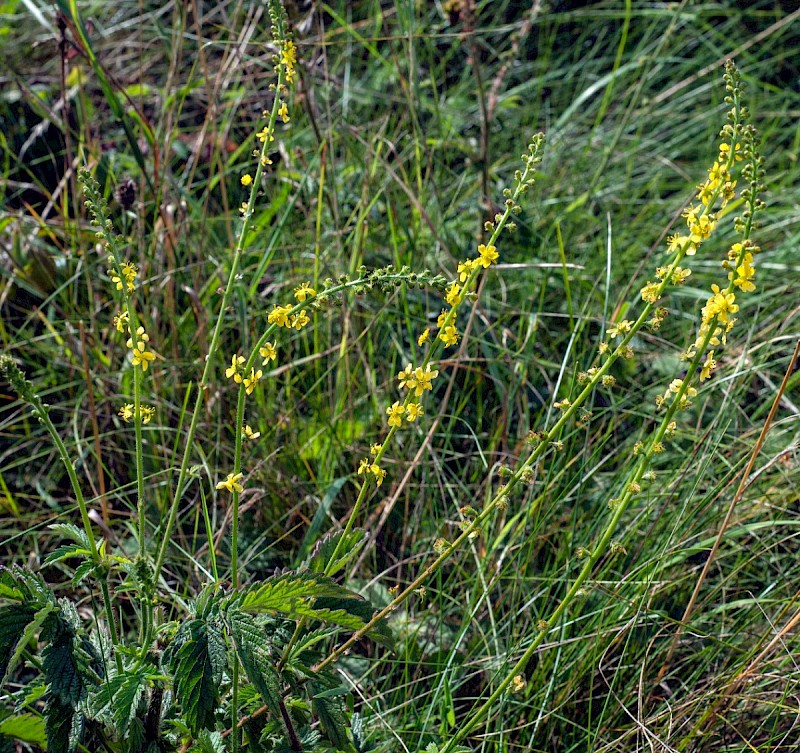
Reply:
x=283 y=317
x=126 y=277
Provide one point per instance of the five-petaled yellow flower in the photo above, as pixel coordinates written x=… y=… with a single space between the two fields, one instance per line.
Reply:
x=246 y=179
x=233 y=370
x=231 y=483
x=301 y=292
x=396 y=411
x=413 y=411
x=251 y=380
x=268 y=353
x=488 y=256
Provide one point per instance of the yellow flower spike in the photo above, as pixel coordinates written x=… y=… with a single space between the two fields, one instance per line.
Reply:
x=395 y=412
x=246 y=179
x=413 y=411
x=231 y=483
x=251 y=380
x=233 y=370
x=268 y=353
x=248 y=433
x=488 y=256
x=301 y=292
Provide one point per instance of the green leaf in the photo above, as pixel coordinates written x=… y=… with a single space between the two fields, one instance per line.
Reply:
x=71 y=532
x=197 y=663
x=28 y=728
x=252 y=648
x=65 y=552
x=58 y=725
x=64 y=680
x=122 y=694
x=14 y=618
x=333 y=719
x=25 y=637
x=324 y=549
x=208 y=742
x=309 y=595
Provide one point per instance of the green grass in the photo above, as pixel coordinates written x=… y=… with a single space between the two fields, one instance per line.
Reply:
x=390 y=160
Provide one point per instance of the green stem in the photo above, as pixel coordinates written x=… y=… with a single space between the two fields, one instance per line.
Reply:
x=209 y=365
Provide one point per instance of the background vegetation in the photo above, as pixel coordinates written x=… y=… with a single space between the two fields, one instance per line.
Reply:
x=407 y=122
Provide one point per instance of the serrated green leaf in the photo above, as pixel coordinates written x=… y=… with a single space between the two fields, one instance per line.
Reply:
x=197 y=665
x=122 y=695
x=83 y=571
x=252 y=649
x=65 y=552
x=25 y=637
x=351 y=544
x=333 y=720
x=282 y=593
x=61 y=671
x=58 y=725
x=208 y=742
x=14 y=618
x=71 y=532
x=28 y=728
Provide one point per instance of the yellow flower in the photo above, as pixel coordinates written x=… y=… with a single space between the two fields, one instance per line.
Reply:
x=126 y=412
x=374 y=449
x=488 y=256
x=283 y=112
x=442 y=318
x=288 y=59
x=233 y=370
x=720 y=305
x=396 y=411
x=246 y=179
x=620 y=328
x=708 y=366
x=244 y=209
x=453 y=296
x=268 y=353
x=423 y=338
x=279 y=315
x=251 y=380
x=146 y=413
x=465 y=269
x=142 y=338
x=406 y=377
x=449 y=335
x=142 y=358
x=367 y=466
x=265 y=160
x=231 y=483
x=121 y=321
x=248 y=433
x=301 y=292
x=413 y=411
x=298 y=321
x=424 y=379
